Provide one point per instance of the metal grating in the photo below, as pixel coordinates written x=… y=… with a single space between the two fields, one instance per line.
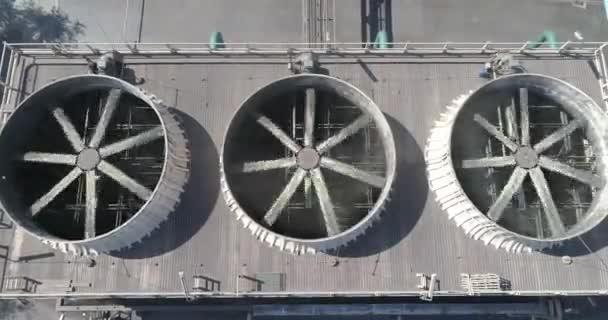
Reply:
x=476 y=283
x=20 y=284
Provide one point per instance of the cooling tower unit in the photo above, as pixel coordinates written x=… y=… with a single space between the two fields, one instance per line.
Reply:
x=307 y=163
x=521 y=162
x=91 y=164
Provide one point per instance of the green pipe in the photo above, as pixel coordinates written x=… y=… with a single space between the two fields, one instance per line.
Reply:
x=382 y=41
x=547 y=36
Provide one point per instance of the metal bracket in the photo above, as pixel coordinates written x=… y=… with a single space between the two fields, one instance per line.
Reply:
x=428 y=283
x=556 y=311
x=94 y=51
x=171 y=49
x=57 y=49
x=305 y=63
x=256 y=282
x=579 y=4
x=132 y=48
x=4 y=85
x=182 y=281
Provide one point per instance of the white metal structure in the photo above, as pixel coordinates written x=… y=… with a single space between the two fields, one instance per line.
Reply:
x=13 y=53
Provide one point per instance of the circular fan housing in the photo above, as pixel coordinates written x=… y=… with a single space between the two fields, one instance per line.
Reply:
x=307 y=163
x=521 y=162
x=91 y=164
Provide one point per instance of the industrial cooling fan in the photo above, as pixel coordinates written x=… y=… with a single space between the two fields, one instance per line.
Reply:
x=91 y=164
x=521 y=162
x=307 y=163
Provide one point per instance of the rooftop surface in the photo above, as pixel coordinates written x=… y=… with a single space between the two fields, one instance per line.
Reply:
x=413 y=236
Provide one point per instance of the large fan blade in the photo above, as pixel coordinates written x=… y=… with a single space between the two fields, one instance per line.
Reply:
x=556 y=136
x=91 y=204
x=106 y=116
x=132 y=142
x=43 y=201
x=55 y=158
x=69 y=130
x=498 y=208
x=344 y=134
x=580 y=175
x=491 y=162
x=309 y=118
x=544 y=194
x=124 y=180
x=327 y=207
x=281 y=202
x=494 y=132
x=525 y=116
x=266 y=165
x=353 y=172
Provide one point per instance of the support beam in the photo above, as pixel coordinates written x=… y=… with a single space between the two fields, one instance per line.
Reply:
x=412 y=309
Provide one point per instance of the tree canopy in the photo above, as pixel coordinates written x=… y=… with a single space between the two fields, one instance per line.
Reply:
x=28 y=22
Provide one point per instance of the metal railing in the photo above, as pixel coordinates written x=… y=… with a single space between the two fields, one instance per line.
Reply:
x=12 y=53
x=299 y=294
x=599 y=60
x=337 y=48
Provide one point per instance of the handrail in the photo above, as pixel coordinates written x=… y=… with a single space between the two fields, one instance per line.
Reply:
x=302 y=294
x=336 y=48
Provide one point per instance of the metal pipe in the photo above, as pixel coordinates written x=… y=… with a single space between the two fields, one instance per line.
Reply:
x=5 y=89
x=10 y=83
x=343 y=51
x=264 y=47
x=6 y=94
x=260 y=309
x=300 y=294
x=603 y=60
x=182 y=281
x=4 y=48
x=303 y=44
x=601 y=78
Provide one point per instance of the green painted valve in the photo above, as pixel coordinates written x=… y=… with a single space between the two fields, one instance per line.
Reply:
x=382 y=40
x=548 y=37
x=216 y=41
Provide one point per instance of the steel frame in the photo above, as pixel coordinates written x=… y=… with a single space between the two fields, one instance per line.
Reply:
x=567 y=48
x=599 y=59
x=12 y=53
x=302 y=294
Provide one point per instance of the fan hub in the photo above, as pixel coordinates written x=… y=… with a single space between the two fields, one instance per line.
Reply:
x=88 y=159
x=526 y=157
x=308 y=158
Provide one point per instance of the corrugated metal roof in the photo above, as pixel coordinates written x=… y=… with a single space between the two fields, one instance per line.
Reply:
x=413 y=236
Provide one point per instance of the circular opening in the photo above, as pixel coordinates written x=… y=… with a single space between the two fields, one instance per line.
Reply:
x=82 y=156
x=527 y=153
x=309 y=157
